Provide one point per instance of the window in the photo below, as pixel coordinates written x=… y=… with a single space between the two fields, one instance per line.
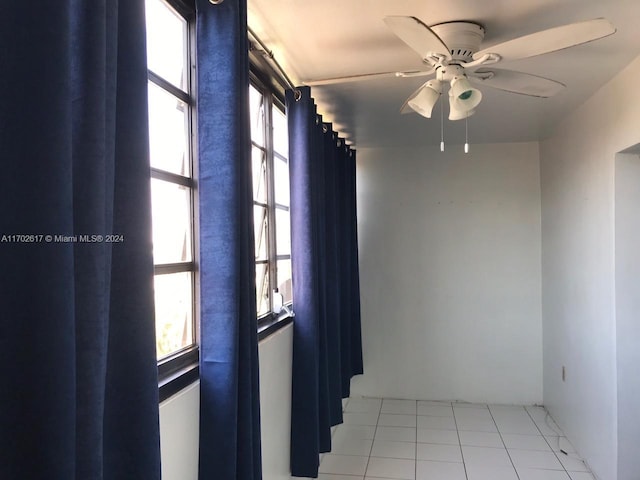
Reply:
x=169 y=61
x=270 y=169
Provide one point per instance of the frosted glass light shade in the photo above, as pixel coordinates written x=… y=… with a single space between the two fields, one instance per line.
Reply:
x=424 y=101
x=464 y=96
x=457 y=113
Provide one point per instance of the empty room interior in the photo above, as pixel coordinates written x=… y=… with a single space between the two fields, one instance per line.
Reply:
x=495 y=270
x=503 y=276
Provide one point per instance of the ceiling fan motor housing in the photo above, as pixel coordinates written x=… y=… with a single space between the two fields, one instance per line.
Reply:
x=462 y=38
x=450 y=73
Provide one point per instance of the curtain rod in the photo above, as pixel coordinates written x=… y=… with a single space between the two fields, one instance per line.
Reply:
x=279 y=70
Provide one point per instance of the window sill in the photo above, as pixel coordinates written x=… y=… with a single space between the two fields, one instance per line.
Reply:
x=272 y=323
x=178 y=372
x=178 y=381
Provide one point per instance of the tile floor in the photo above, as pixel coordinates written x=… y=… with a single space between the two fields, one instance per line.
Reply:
x=386 y=439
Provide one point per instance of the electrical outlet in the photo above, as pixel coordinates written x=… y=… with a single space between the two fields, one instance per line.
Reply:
x=564 y=373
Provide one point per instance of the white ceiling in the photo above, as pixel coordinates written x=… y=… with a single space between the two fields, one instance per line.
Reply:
x=314 y=40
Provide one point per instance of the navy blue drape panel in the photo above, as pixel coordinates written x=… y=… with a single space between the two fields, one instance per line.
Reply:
x=319 y=226
x=303 y=153
x=327 y=350
x=354 y=314
x=77 y=349
x=229 y=399
x=331 y=259
x=349 y=279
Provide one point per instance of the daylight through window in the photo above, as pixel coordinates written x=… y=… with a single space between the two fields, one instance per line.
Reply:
x=172 y=184
x=270 y=167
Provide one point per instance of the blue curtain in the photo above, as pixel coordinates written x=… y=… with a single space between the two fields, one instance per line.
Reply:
x=327 y=349
x=229 y=401
x=348 y=279
x=77 y=350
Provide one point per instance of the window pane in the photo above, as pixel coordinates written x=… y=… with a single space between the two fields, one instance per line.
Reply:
x=284 y=280
x=257 y=116
x=168 y=131
x=280 y=132
x=174 y=312
x=260 y=230
x=166 y=43
x=262 y=288
x=283 y=232
x=281 y=178
x=171 y=214
x=259 y=168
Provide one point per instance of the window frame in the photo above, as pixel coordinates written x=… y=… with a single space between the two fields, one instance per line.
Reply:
x=273 y=97
x=181 y=368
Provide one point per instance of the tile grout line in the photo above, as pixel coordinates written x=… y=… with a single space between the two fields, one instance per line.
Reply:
x=368 y=456
x=375 y=430
x=545 y=439
x=455 y=421
x=399 y=441
x=502 y=440
x=415 y=448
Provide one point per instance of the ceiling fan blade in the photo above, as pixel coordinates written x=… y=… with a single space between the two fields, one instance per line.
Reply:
x=517 y=82
x=550 y=40
x=368 y=76
x=417 y=35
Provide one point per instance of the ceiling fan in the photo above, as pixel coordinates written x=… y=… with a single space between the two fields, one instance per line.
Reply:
x=452 y=52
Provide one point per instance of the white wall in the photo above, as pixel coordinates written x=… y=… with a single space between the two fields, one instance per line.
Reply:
x=179 y=416
x=627 y=232
x=578 y=267
x=450 y=273
x=276 y=354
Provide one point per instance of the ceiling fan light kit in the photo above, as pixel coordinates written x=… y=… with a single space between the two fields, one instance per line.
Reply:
x=463 y=97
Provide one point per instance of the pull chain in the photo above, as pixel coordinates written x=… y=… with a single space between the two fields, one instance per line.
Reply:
x=466 y=133
x=441 y=125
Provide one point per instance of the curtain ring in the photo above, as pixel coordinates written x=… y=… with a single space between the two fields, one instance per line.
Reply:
x=317 y=120
x=216 y=2
x=297 y=94
x=325 y=129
